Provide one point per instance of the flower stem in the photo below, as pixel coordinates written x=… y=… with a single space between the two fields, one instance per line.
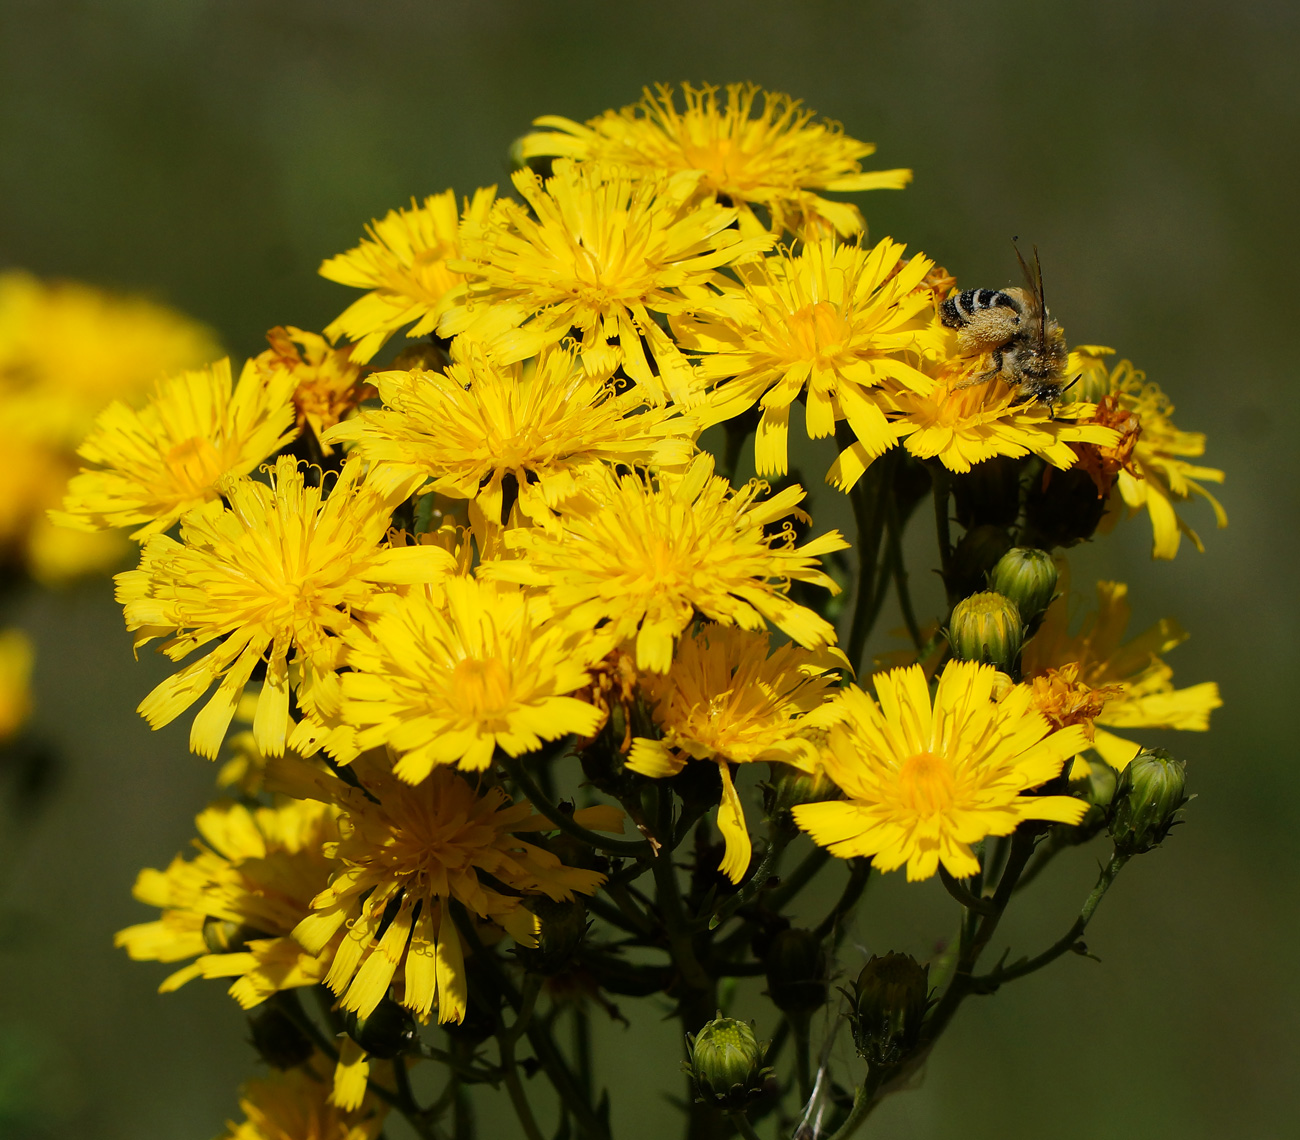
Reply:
x=942 y=486
x=746 y=1130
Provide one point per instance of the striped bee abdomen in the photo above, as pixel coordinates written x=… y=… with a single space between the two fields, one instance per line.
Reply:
x=958 y=311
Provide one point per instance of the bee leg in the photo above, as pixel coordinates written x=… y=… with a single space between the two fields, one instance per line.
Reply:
x=982 y=377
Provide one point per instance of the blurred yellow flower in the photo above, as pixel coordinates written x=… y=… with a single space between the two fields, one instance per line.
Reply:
x=404 y=265
x=16 y=657
x=923 y=781
x=726 y=700
x=297 y=1104
x=645 y=555
x=773 y=158
x=596 y=250
x=282 y=569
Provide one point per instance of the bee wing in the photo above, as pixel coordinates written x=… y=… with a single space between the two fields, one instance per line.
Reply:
x=1034 y=286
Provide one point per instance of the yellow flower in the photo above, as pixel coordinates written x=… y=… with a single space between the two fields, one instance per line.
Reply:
x=233 y=906
x=296 y=1104
x=172 y=454
x=772 y=159
x=448 y=680
x=1140 y=684
x=281 y=569
x=67 y=349
x=540 y=424
x=598 y=251
x=16 y=657
x=725 y=700
x=1158 y=475
x=403 y=264
x=923 y=782
x=327 y=382
x=646 y=555
x=834 y=321
x=408 y=853
x=964 y=426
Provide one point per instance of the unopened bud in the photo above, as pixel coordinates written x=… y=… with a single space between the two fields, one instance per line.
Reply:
x=1148 y=794
x=386 y=1033
x=277 y=1038
x=987 y=627
x=563 y=926
x=1026 y=576
x=727 y=1063
x=890 y=998
x=796 y=971
x=788 y=787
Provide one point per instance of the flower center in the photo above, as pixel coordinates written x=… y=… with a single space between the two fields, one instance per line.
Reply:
x=817 y=332
x=925 y=783
x=193 y=467
x=482 y=686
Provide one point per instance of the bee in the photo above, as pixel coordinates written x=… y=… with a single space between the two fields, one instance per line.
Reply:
x=1026 y=346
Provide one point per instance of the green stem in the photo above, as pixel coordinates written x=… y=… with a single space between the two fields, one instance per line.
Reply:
x=864 y=1101
x=866 y=498
x=518 y=771
x=895 y=554
x=668 y=899
x=778 y=841
x=942 y=485
x=859 y=876
x=989 y=982
x=962 y=895
x=799 y=1030
x=741 y=1121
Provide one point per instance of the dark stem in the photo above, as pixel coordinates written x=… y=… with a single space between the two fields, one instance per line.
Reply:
x=942 y=484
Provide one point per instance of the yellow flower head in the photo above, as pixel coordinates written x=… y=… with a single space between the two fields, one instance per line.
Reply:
x=924 y=781
x=834 y=321
x=772 y=156
x=962 y=426
x=1140 y=686
x=408 y=853
x=295 y=1104
x=542 y=424
x=403 y=264
x=67 y=349
x=16 y=657
x=282 y=569
x=597 y=250
x=172 y=454
x=449 y=679
x=727 y=701
x=1158 y=474
x=646 y=555
x=233 y=906
x=327 y=382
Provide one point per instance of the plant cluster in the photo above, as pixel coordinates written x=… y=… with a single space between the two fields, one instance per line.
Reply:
x=529 y=707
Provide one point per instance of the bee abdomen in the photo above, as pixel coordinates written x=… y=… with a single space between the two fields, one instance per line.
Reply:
x=957 y=311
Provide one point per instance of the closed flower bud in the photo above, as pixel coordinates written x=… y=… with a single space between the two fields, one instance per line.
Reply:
x=788 y=787
x=987 y=628
x=386 y=1033
x=890 y=998
x=796 y=971
x=277 y=1038
x=727 y=1063
x=563 y=925
x=1148 y=794
x=1026 y=576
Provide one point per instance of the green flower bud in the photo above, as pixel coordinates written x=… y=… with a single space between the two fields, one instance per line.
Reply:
x=386 y=1033
x=788 y=787
x=987 y=627
x=1026 y=576
x=796 y=971
x=563 y=925
x=890 y=998
x=1148 y=794
x=726 y=1063
x=277 y=1038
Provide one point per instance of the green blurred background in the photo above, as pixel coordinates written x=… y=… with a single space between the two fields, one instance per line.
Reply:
x=212 y=152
